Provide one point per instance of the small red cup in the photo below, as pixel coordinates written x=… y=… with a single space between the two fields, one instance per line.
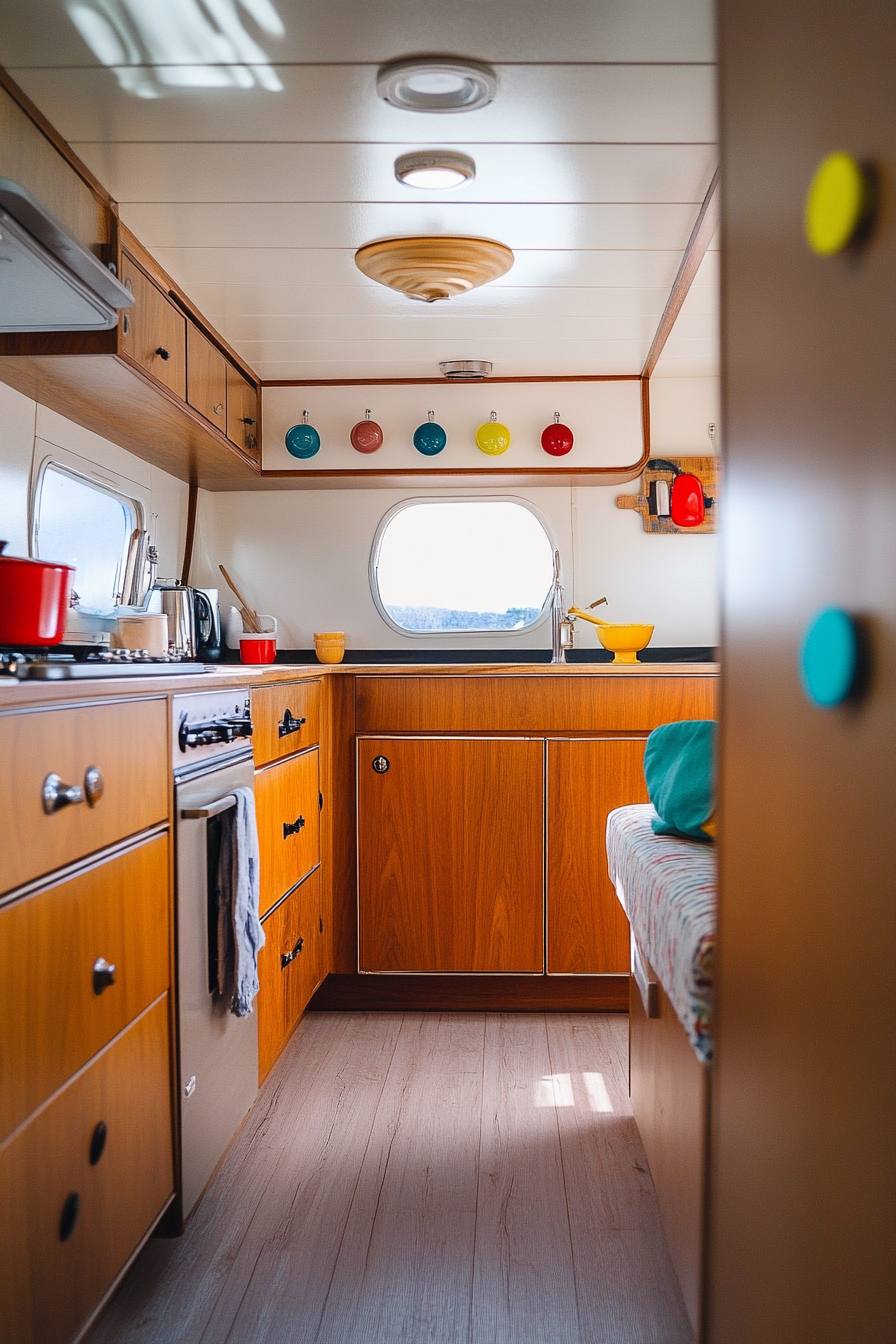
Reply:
x=258 y=648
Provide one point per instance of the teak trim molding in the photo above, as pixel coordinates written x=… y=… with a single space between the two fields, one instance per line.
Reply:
x=701 y=237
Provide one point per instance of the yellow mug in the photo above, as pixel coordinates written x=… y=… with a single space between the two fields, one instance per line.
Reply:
x=330 y=647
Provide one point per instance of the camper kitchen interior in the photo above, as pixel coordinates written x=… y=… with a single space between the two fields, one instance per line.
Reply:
x=447 y=655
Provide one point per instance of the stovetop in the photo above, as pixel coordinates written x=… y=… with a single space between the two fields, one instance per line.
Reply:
x=97 y=663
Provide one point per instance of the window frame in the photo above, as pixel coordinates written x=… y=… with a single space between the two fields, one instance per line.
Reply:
x=453 y=499
x=132 y=496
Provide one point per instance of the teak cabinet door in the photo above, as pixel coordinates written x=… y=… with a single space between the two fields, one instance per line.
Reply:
x=587 y=928
x=206 y=378
x=287 y=804
x=155 y=331
x=242 y=412
x=450 y=853
x=289 y=968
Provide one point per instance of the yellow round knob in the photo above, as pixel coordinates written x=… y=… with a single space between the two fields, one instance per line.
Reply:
x=837 y=204
x=493 y=438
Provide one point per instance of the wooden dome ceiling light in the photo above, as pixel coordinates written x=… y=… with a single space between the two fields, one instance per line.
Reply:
x=432 y=268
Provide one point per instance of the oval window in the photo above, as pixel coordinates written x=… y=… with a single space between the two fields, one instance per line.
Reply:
x=441 y=567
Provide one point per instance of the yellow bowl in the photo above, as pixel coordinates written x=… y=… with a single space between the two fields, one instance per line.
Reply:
x=330 y=646
x=624 y=640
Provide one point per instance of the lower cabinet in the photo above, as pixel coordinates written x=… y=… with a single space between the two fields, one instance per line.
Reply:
x=587 y=929
x=451 y=854
x=287 y=802
x=82 y=1182
x=290 y=967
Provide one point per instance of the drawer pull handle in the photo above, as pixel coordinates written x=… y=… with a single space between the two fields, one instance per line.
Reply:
x=287 y=957
x=69 y=1215
x=103 y=975
x=162 y=352
x=380 y=764
x=289 y=725
x=93 y=785
x=57 y=795
x=98 y=1142
x=219 y=409
x=247 y=420
x=292 y=827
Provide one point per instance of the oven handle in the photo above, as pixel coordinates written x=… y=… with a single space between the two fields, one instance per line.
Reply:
x=212 y=810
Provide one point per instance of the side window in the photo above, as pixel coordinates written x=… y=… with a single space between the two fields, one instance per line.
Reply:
x=81 y=523
x=464 y=565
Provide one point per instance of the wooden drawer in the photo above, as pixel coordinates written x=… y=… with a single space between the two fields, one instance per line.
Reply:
x=155 y=331
x=54 y=1020
x=537 y=704
x=287 y=802
x=127 y=742
x=242 y=412
x=292 y=931
x=206 y=378
x=48 y=1286
x=285 y=719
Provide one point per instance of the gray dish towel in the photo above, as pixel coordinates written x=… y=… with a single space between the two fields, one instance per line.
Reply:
x=240 y=935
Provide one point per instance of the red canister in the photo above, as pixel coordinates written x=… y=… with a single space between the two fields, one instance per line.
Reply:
x=33 y=600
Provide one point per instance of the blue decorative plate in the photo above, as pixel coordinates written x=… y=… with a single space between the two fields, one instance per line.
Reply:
x=302 y=441
x=429 y=438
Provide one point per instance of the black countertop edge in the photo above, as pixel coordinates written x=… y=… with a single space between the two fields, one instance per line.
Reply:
x=369 y=657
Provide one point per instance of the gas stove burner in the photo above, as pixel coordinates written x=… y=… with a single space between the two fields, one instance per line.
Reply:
x=101 y=663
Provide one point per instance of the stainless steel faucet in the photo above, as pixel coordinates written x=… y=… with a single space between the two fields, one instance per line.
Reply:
x=558 y=652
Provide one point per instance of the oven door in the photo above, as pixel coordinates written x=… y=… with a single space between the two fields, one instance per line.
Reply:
x=218 y=1053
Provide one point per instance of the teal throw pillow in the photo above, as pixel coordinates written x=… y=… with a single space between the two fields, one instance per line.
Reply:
x=679 y=767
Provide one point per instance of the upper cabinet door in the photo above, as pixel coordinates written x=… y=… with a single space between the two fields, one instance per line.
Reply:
x=451 y=855
x=154 y=331
x=206 y=378
x=242 y=412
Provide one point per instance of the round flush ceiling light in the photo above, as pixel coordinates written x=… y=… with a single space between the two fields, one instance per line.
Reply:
x=465 y=370
x=436 y=84
x=435 y=169
x=434 y=267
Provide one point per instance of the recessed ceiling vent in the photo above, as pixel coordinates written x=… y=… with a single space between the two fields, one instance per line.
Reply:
x=466 y=370
x=436 y=84
x=48 y=281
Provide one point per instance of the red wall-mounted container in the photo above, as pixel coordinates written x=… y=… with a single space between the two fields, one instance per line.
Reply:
x=33 y=600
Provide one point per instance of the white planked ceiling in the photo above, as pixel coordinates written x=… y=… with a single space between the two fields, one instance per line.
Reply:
x=592 y=163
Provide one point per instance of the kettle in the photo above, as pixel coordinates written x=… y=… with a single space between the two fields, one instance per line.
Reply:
x=193 y=622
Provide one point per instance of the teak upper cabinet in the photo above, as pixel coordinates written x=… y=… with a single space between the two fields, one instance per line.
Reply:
x=242 y=412
x=154 y=331
x=451 y=846
x=206 y=378
x=587 y=929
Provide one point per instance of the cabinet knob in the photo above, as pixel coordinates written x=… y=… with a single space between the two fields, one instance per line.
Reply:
x=98 y=1142
x=287 y=957
x=247 y=420
x=162 y=352
x=219 y=409
x=69 y=1215
x=288 y=724
x=56 y=795
x=93 y=785
x=380 y=764
x=103 y=975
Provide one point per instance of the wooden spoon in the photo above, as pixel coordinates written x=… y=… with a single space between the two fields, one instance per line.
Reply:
x=250 y=618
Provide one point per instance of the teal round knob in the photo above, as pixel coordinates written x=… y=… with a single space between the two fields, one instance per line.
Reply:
x=829 y=660
x=302 y=440
x=429 y=438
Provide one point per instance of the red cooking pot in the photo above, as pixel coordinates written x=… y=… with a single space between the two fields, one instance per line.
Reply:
x=33 y=600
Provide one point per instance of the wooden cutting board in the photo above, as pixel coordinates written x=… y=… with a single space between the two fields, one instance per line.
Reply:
x=708 y=471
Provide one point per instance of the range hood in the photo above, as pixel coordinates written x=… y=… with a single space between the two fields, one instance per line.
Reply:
x=48 y=281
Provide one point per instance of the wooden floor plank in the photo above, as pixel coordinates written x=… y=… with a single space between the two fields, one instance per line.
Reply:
x=625 y=1284
x=524 y=1289
x=181 y=1289
x=423 y=1179
x=405 y=1270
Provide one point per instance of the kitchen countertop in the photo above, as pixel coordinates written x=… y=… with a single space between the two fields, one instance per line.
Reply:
x=24 y=694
